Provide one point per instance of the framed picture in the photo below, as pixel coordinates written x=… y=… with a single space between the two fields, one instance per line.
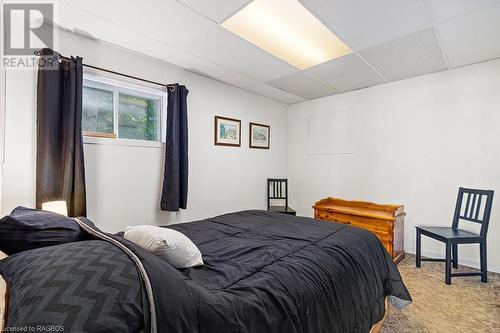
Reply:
x=227 y=132
x=259 y=136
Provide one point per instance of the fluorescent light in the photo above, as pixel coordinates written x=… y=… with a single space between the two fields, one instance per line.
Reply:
x=288 y=31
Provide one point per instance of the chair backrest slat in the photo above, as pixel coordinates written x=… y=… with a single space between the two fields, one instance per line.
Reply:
x=467 y=205
x=478 y=208
x=474 y=197
x=472 y=207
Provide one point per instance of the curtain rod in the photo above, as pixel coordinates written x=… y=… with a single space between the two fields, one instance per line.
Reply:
x=168 y=86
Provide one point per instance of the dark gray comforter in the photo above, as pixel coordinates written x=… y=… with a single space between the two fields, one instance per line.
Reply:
x=263 y=272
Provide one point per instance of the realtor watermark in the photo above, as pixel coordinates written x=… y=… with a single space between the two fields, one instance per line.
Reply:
x=27 y=27
x=35 y=328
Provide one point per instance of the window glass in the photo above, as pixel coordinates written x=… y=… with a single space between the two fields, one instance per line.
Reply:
x=138 y=117
x=113 y=110
x=97 y=115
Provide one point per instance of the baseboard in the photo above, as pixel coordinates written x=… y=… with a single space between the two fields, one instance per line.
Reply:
x=463 y=262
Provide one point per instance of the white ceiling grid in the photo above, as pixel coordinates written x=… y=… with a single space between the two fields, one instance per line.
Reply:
x=391 y=40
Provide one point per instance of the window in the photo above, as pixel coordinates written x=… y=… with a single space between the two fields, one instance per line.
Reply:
x=98 y=112
x=120 y=110
x=138 y=117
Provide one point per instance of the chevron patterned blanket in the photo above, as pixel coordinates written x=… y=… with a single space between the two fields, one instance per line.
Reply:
x=263 y=272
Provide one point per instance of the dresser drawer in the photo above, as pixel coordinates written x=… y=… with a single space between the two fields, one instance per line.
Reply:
x=363 y=222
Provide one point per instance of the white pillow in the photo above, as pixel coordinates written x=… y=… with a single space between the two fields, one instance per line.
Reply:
x=171 y=245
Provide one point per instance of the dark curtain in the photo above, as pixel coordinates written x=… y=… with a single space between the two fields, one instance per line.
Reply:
x=175 y=180
x=60 y=172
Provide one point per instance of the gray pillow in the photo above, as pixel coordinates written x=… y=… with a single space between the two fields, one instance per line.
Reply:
x=26 y=229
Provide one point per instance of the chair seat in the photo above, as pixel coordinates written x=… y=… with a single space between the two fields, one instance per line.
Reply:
x=449 y=233
x=282 y=209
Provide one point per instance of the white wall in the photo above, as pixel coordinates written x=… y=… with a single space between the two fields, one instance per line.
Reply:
x=417 y=141
x=2 y=128
x=124 y=182
x=2 y=113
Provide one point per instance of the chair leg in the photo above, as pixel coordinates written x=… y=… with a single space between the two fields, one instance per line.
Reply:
x=418 y=261
x=484 y=265
x=447 y=272
x=454 y=249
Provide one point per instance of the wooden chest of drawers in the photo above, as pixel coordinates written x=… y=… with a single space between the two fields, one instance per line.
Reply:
x=385 y=221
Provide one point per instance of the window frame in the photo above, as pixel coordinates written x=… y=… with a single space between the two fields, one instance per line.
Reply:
x=118 y=87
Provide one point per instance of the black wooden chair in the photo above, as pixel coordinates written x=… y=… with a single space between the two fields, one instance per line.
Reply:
x=277 y=189
x=454 y=236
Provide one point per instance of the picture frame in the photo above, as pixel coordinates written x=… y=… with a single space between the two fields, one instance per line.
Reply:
x=227 y=131
x=259 y=136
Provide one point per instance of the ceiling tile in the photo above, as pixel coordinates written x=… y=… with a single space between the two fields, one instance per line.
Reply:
x=222 y=47
x=403 y=49
x=275 y=93
x=303 y=85
x=445 y=9
x=473 y=37
x=429 y=64
x=167 y=21
x=346 y=73
x=404 y=57
x=206 y=68
x=364 y=23
x=216 y=10
x=86 y=24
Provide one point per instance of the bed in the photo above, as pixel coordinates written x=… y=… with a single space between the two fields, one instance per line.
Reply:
x=263 y=272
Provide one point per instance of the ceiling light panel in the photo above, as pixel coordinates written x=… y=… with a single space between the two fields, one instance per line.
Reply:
x=288 y=31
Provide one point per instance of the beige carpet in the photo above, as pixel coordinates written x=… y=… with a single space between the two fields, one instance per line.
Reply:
x=466 y=306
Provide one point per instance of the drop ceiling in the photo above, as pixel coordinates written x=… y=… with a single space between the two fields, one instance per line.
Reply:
x=391 y=40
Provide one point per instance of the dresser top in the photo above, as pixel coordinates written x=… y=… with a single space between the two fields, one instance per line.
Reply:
x=360 y=208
